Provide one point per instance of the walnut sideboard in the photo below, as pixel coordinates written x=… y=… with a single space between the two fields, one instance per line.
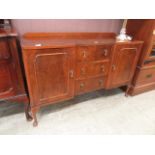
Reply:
x=59 y=66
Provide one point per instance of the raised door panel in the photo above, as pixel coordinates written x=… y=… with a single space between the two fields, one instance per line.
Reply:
x=123 y=64
x=53 y=78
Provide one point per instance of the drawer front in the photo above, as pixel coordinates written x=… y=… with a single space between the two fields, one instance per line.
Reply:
x=98 y=68
x=102 y=52
x=85 y=53
x=4 y=50
x=82 y=70
x=86 y=70
x=83 y=86
x=146 y=76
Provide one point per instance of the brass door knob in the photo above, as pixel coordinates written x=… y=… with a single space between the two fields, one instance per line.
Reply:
x=82 y=85
x=100 y=82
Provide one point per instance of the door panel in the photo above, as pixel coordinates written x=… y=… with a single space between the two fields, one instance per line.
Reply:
x=52 y=74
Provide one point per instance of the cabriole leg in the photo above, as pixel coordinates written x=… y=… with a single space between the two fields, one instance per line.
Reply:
x=127 y=91
x=27 y=112
x=34 y=112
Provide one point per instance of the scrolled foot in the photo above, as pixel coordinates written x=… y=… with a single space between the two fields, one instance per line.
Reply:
x=34 y=111
x=29 y=118
x=126 y=94
x=35 y=124
x=27 y=112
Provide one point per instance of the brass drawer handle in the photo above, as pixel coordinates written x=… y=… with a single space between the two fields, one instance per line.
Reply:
x=113 y=67
x=84 y=54
x=105 y=52
x=82 y=85
x=102 y=68
x=100 y=82
x=83 y=71
x=71 y=73
x=149 y=76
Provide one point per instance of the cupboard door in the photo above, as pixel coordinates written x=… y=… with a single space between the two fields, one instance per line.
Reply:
x=125 y=57
x=53 y=77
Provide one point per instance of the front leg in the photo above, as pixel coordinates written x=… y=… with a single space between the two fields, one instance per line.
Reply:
x=127 y=90
x=34 y=112
x=27 y=112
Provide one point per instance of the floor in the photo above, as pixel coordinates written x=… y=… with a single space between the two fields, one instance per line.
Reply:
x=100 y=112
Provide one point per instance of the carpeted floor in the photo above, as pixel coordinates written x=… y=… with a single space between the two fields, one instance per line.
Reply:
x=100 y=112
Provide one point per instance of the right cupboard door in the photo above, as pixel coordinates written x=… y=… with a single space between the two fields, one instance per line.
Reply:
x=124 y=61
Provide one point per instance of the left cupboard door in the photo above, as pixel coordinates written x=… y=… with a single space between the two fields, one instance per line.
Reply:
x=49 y=74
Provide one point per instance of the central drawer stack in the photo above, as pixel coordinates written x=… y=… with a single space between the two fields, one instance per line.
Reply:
x=92 y=65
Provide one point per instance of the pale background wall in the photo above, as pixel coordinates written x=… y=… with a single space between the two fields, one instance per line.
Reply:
x=66 y=25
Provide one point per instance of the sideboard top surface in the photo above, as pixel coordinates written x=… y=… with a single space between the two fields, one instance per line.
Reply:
x=54 y=40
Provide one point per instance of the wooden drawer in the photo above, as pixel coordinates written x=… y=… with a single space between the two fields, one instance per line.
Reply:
x=85 y=53
x=83 y=86
x=98 y=68
x=146 y=76
x=102 y=52
x=4 y=50
x=92 y=69
x=149 y=63
x=93 y=53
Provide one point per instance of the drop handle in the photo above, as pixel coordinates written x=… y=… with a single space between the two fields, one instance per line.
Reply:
x=102 y=68
x=71 y=73
x=83 y=71
x=84 y=54
x=113 y=67
x=149 y=76
x=105 y=52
